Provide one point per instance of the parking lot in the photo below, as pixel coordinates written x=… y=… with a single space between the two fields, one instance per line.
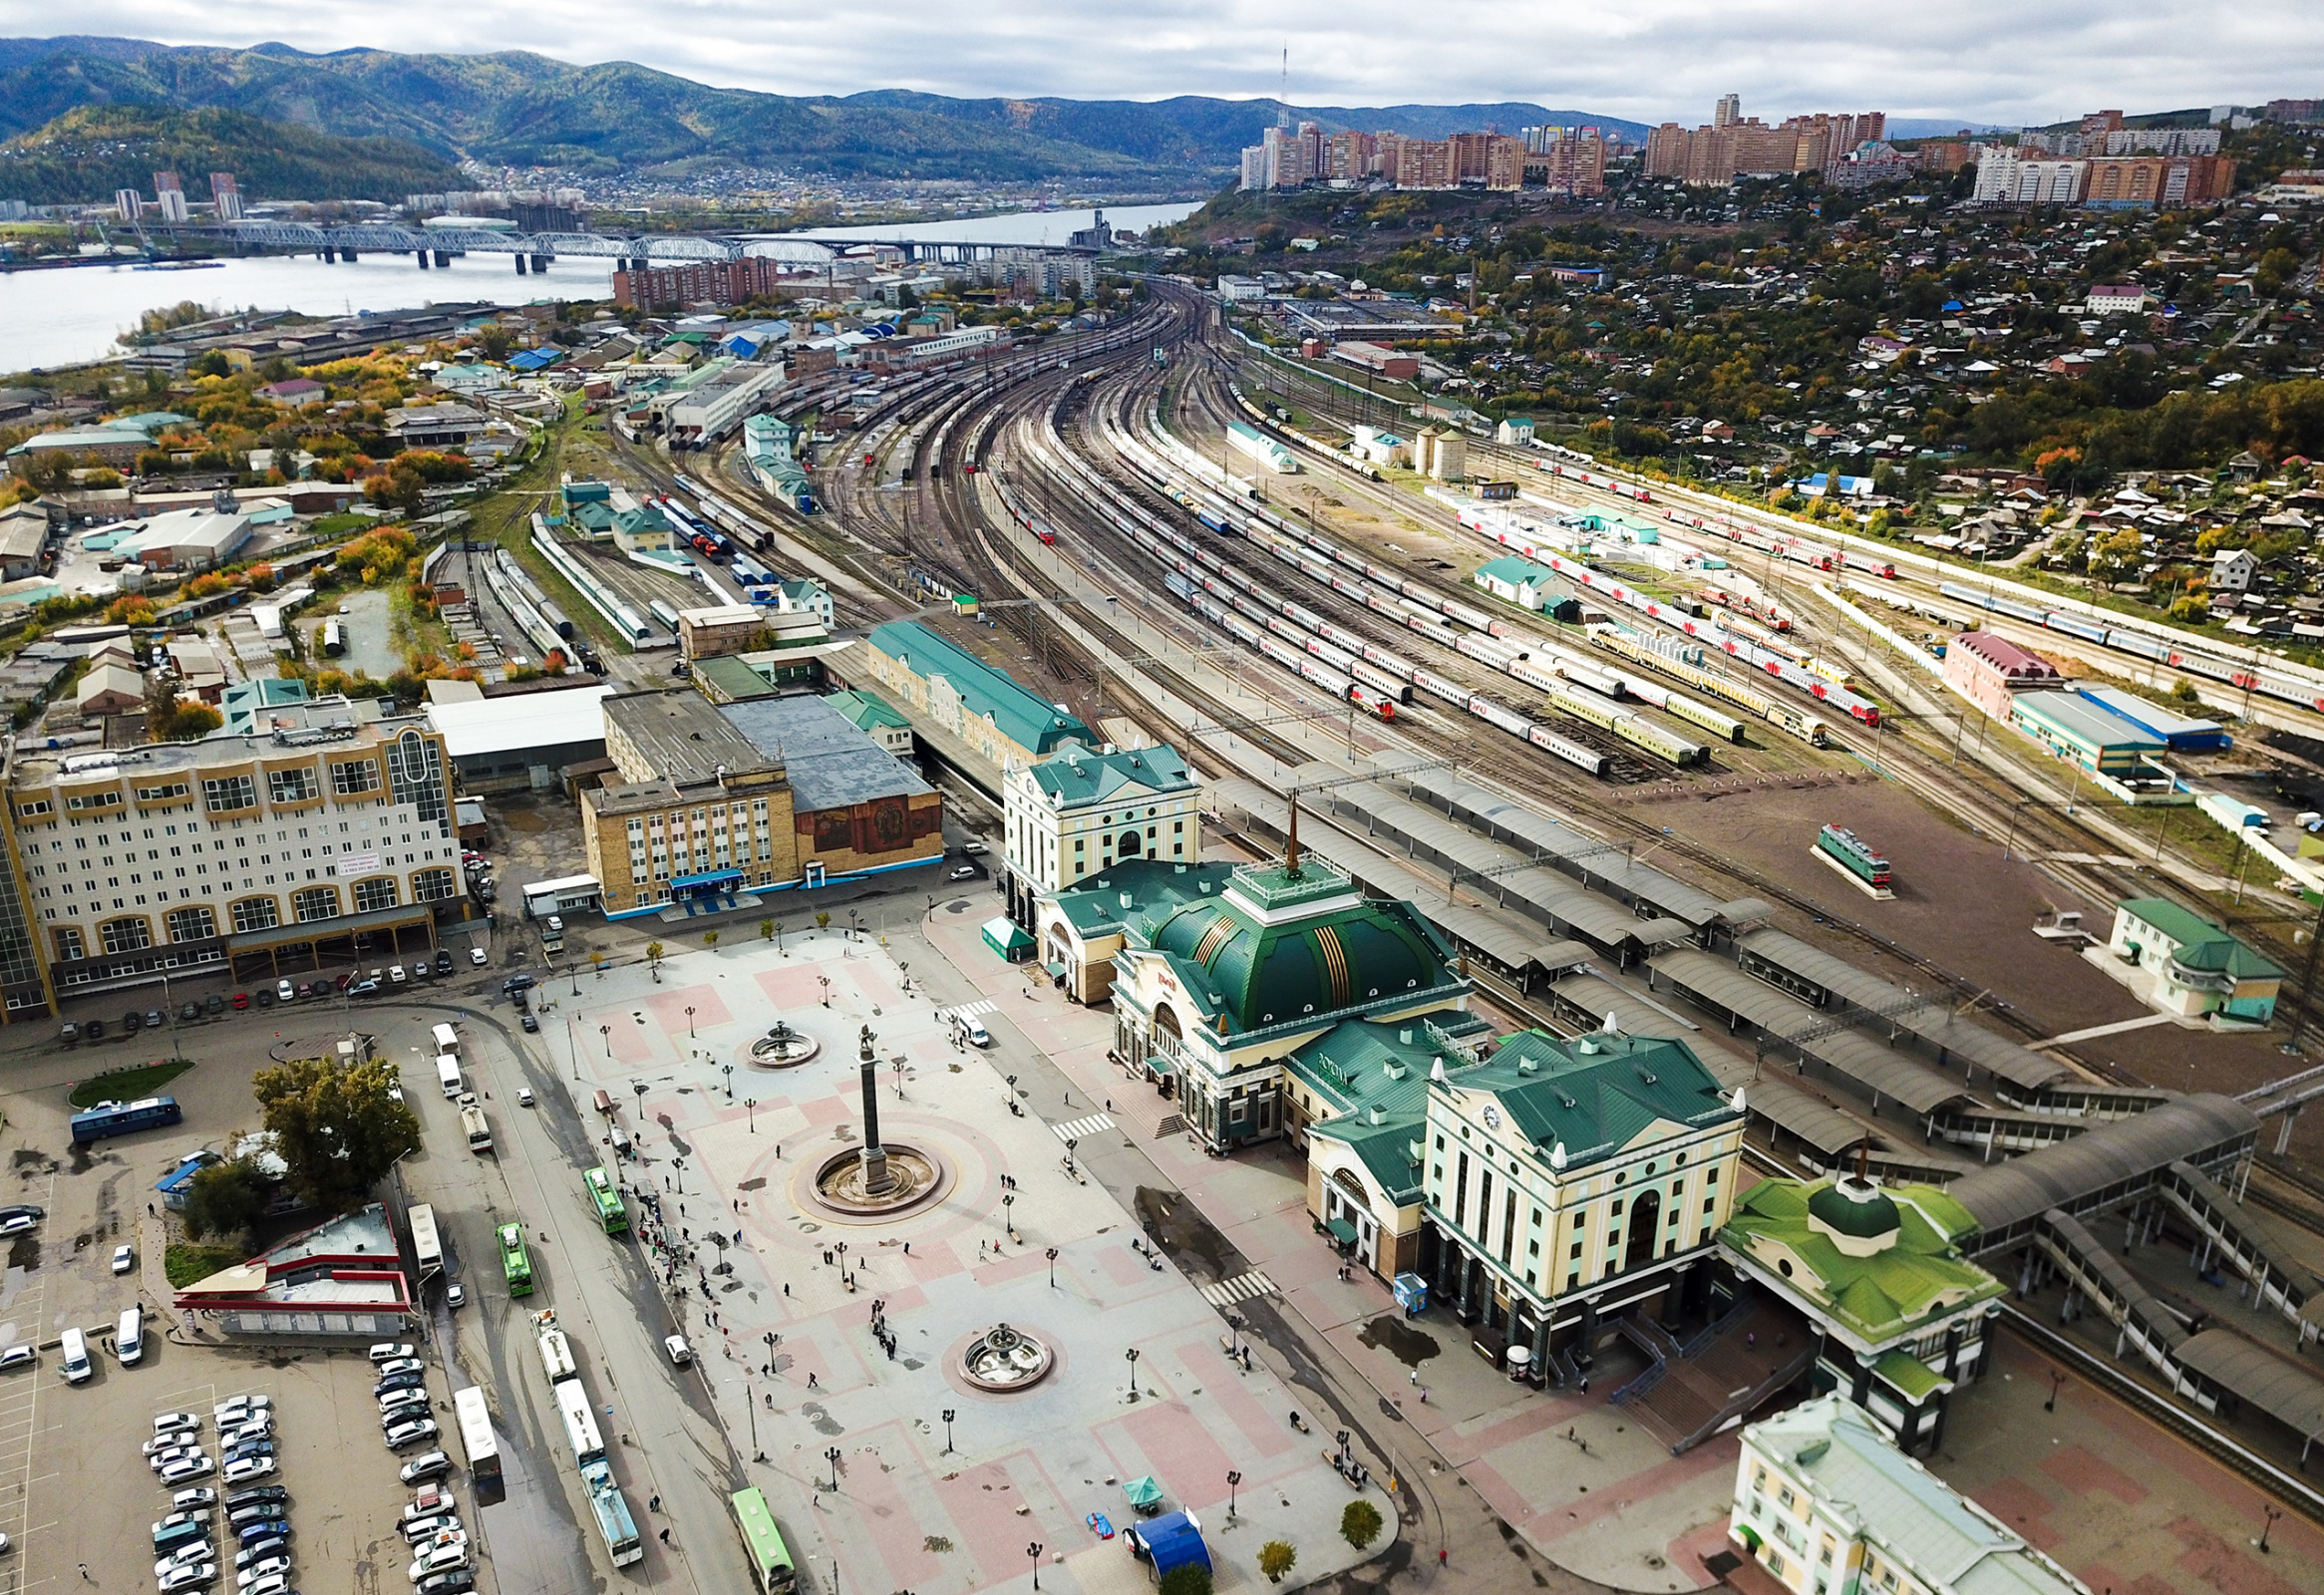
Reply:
x=74 y=1489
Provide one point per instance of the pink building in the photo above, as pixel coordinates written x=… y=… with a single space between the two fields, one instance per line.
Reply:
x=1989 y=670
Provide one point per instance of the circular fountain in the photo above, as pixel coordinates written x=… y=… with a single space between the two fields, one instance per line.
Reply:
x=784 y=1048
x=1004 y=1358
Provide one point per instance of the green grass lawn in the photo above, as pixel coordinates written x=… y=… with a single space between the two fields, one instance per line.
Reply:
x=184 y=1262
x=125 y=1085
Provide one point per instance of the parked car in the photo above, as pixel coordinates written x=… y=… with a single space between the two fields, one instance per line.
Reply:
x=252 y=1555
x=680 y=1353
x=214 y=1003
x=192 y=1576
x=256 y=1495
x=408 y=1433
x=93 y=1030
x=475 y=956
x=241 y=1001
x=224 y=1410
x=162 y=1449
x=124 y=1258
x=264 y=1528
x=398 y=1404
x=274 y=1567
x=456 y=1295
x=389 y=1351
x=965 y=872
x=399 y=1382
x=248 y=1449
x=163 y=1423
x=528 y=1022
x=457 y=1582
x=273 y=1511
x=518 y=982
x=259 y=1427
x=16 y=1357
x=428 y=1464
x=417 y=1529
x=364 y=988
x=398 y=1364
x=265 y=997
x=132 y=1022
x=194 y=1552
x=153 y=1018
x=190 y=1010
x=974 y=849
x=284 y=991
x=396 y=974
x=245 y=1468
x=200 y=1498
x=444 y=961
x=525 y=1093
x=191 y=1468
x=271 y=1584
x=17 y=1225
x=69 y=1034
x=438 y=1559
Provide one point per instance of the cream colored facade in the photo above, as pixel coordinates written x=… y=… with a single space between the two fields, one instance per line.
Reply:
x=188 y=854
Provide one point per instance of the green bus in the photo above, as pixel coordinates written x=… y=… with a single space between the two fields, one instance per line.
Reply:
x=607 y=1200
x=516 y=1262
x=770 y=1557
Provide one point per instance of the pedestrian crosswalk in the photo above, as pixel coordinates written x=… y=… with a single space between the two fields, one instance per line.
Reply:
x=1241 y=1288
x=975 y=1010
x=1077 y=1129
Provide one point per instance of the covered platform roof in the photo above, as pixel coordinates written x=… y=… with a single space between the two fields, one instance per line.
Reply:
x=2078 y=1174
x=1879 y=1070
x=1931 y=1020
x=2277 y=1386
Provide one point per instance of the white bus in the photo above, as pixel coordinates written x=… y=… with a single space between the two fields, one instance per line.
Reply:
x=447 y=1041
x=425 y=1246
x=448 y=1076
x=573 y=1405
x=563 y=895
x=557 y=1352
x=475 y=1433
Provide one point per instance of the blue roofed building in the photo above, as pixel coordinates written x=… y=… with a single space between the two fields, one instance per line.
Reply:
x=2180 y=732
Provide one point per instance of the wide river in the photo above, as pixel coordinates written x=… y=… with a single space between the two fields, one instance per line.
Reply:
x=72 y=316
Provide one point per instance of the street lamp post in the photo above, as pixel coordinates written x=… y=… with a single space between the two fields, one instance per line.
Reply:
x=730 y=1081
x=606 y=1031
x=832 y=1455
x=825 y=981
x=1232 y=1478
x=751 y=1112
x=678 y=1169
x=574 y=1045
x=1008 y=1220
x=1034 y=1550
x=2273 y=1512
x=1053 y=1268
x=1131 y=1355
x=2057 y=1379
x=949 y=1415
x=689 y=1021
x=899 y=1067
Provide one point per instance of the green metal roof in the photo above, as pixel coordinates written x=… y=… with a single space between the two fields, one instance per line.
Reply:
x=1909 y=1374
x=864 y=709
x=1886 y=1294
x=1597 y=1093
x=2202 y=944
x=1514 y=568
x=1365 y=1067
x=1133 y=896
x=1081 y=777
x=987 y=692
x=1299 y=966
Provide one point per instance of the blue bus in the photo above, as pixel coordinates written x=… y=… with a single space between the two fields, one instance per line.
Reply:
x=106 y=1120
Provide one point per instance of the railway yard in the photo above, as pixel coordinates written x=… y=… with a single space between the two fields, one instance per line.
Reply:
x=1613 y=806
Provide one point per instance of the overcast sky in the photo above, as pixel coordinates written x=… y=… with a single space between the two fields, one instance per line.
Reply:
x=2002 y=61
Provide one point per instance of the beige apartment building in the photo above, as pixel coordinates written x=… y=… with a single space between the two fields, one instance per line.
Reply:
x=324 y=839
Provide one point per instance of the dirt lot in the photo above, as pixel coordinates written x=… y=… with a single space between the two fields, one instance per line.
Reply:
x=1961 y=906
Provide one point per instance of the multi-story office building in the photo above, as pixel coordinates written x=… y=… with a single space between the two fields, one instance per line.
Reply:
x=170 y=197
x=760 y=796
x=322 y=839
x=1733 y=145
x=225 y=196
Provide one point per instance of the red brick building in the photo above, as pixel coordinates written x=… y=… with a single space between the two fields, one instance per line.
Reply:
x=1989 y=670
x=712 y=282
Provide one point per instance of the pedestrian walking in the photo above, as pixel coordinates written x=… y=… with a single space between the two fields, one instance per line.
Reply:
x=810 y=1379
x=1416 y=1384
x=85 y=1573
x=907 y=1248
x=150 y=1213
x=665 y=1536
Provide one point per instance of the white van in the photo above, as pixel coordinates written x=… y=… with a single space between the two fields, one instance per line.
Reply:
x=128 y=1336
x=447 y=1041
x=971 y=1030
x=75 y=1344
x=447 y=1075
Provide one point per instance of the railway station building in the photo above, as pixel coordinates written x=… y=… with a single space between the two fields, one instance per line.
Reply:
x=992 y=716
x=1077 y=813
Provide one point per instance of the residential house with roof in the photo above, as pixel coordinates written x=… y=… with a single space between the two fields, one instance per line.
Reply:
x=1520 y=581
x=1214 y=996
x=2192 y=967
x=994 y=716
x=1826 y=1503
x=1079 y=812
x=1901 y=1317
x=873 y=715
x=1571 y=1180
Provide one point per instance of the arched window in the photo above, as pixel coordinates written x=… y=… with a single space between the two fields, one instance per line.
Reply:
x=315 y=902
x=431 y=887
x=258 y=913
x=125 y=935
x=374 y=893
x=192 y=924
x=1127 y=847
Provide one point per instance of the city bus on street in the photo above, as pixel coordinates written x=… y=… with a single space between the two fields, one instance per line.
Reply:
x=516 y=1262
x=427 y=1249
x=476 y=1435
x=108 y=1120
x=770 y=1559
x=611 y=1212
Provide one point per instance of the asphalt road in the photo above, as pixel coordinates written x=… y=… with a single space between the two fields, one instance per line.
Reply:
x=659 y=1431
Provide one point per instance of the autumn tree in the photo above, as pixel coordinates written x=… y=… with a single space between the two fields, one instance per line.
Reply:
x=336 y=1126
x=1276 y=1558
x=223 y=1199
x=1360 y=1524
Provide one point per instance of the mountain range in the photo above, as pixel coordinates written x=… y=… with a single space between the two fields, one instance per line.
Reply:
x=521 y=110
x=91 y=152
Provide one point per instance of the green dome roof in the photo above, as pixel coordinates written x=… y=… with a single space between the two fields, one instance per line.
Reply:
x=1852 y=1207
x=1279 y=974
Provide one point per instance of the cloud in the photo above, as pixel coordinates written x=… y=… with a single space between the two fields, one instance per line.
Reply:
x=2003 y=61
